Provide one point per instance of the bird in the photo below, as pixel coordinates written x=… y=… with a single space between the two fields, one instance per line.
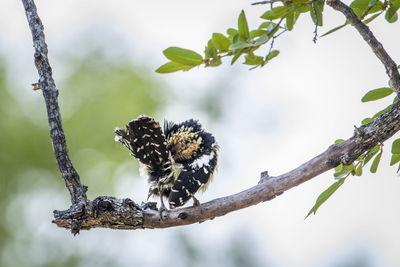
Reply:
x=179 y=159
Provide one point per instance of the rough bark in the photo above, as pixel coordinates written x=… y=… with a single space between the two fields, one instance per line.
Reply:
x=109 y=212
x=50 y=94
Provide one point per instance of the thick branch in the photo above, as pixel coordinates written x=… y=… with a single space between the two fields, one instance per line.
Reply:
x=113 y=213
x=50 y=94
x=377 y=48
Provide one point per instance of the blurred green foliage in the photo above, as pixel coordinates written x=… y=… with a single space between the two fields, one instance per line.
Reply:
x=95 y=97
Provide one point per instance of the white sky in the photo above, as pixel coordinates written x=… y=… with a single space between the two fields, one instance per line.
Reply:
x=275 y=119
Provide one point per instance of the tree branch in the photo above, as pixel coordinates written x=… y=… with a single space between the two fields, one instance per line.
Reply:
x=109 y=212
x=368 y=36
x=124 y=214
x=50 y=94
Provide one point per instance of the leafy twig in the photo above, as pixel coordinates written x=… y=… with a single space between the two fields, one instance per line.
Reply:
x=368 y=36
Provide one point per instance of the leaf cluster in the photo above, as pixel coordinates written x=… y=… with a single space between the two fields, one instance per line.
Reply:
x=369 y=10
x=375 y=154
x=279 y=19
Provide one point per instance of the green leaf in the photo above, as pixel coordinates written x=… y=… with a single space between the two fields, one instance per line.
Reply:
x=338 y=141
x=335 y=29
x=375 y=163
x=231 y=32
x=344 y=170
x=381 y=112
x=275 y=13
x=221 y=42
x=395 y=158
x=257 y=33
x=391 y=13
x=376 y=94
x=368 y=20
x=396 y=146
x=183 y=56
x=391 y=18
x=210 y=51
x=359 y=6
x=236 y=56
x=252 y=59
x=215 y=63
x=371 y=153
x=324 y=196
x=243 y=27
x=319 y=8
x=358 y=171
x=303 y=9
x=262 y=40
x=272 y=54
x=173 y=67
x=290 y=20
x=240 y=44
x=366 y=121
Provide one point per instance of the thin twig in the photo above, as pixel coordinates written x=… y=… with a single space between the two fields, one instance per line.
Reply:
x=50 y=94
x=267 y=2
x=377 y=47
x=316 y=22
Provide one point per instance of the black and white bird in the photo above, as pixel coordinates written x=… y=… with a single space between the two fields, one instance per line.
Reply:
x=179 y=160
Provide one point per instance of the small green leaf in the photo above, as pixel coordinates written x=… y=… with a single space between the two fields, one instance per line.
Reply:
x=325 y=195
x=261 y=40
x=358 y=171
x=395 y=158
x=375 y=163
x=344 y=170
x=290 y=20
x=239 y=44
x=381 y=112
x=303 y=9
x=359 y=6
x=275 y=13
x=243 y=27
x=215 y=63
x=231 y=32
x=221 y=42
x=339 y=168
x=368 y=20
x=210 y=51
x=183 y=56
x=338 y=141
x=376 y=94
x=252 y=59
x=366 y=121
x=390 y=16
x=272 y=54
x=257 y=33
x=236 y=56
x=335 y=29
x=173 y=67
x=396 y=146
x=391 y=13
x=371 y=153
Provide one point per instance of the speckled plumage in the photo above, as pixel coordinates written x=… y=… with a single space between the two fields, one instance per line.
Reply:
x=179 y=160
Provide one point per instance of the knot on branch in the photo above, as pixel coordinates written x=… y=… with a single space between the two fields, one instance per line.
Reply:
x=103 y=211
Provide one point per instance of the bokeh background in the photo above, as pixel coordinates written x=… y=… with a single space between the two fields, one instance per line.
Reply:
x=104 y=54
